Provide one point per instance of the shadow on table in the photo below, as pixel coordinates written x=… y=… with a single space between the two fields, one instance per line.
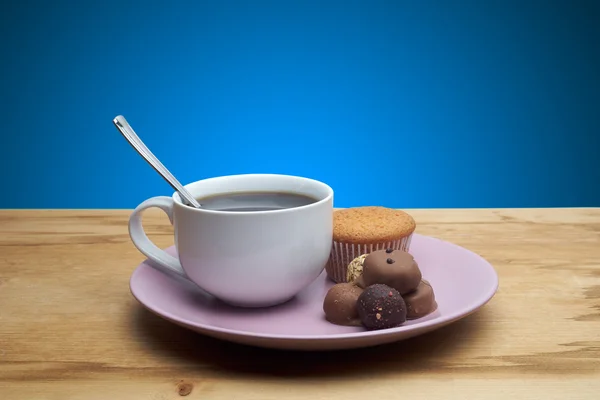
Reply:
x=423 y=353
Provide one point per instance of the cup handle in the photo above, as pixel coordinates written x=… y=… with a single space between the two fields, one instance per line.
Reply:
x=143 y=243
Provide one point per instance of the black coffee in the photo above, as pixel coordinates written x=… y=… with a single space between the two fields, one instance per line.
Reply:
x=255 y=201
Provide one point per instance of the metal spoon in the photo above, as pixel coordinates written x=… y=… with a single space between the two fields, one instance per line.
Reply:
x=133 y=139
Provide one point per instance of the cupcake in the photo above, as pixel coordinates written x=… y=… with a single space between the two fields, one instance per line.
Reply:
x=361 y=230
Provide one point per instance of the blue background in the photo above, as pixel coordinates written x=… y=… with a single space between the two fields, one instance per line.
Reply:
x=396 y=103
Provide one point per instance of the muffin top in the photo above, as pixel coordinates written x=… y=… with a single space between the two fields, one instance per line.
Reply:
x=370 y=225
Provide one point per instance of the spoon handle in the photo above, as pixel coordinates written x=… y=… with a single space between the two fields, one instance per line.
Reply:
x=133 y=139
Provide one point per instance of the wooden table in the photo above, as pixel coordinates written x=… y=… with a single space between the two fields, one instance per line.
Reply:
x=70 y=329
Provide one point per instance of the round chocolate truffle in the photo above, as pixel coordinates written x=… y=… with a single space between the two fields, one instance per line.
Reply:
x=420 y=302
x=397 y=269
x=340 y=304
x=380 y=307
x=355 y=268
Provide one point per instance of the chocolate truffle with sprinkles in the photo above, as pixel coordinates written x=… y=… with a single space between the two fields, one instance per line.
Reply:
x=380 y=307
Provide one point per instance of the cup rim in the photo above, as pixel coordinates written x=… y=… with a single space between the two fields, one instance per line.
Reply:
x=177 y=199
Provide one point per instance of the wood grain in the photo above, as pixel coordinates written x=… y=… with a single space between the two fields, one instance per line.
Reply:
x=70 y=329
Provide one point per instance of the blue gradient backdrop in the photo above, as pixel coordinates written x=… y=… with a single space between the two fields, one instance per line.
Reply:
x=397 y=103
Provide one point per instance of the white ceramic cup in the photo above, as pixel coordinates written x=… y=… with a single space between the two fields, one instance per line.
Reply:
x=247 y=259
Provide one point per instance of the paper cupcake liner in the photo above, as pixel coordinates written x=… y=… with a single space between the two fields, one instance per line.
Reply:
x=343 y=253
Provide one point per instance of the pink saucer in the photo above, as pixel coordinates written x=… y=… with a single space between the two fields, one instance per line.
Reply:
x=463 y=282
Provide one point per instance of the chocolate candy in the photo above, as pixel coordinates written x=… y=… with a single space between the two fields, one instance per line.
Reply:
x=421 y=301
x=397 y=269
x=355 y=268
x=340 y=304
x=380 y=307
